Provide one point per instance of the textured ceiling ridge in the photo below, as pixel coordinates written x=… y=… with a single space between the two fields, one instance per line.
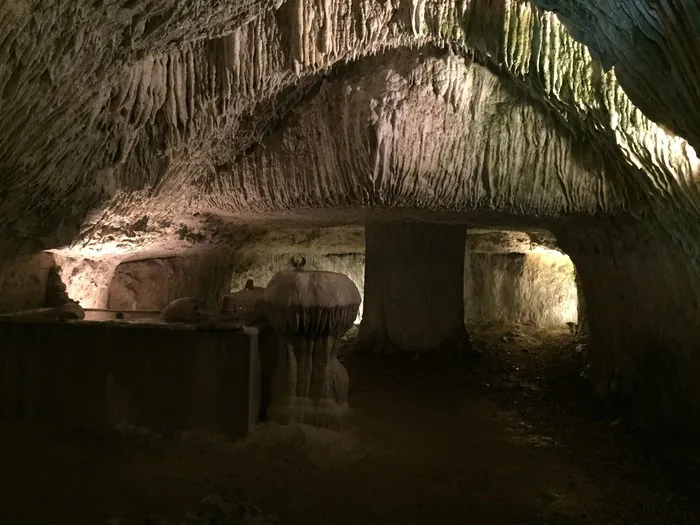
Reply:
x=109 y=105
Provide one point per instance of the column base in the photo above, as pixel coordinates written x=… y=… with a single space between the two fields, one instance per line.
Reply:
x=459 y=346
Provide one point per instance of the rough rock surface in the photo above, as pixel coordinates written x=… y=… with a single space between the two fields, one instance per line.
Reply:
x=147 y=114
x=153 y=283
x=537 y=289
x=510 y=277
x=132 y=126
x=428 y=312
x=511 y=280
x=23 y=282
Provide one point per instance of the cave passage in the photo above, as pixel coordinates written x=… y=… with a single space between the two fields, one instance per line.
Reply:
x=349 y=261
x=516 y=423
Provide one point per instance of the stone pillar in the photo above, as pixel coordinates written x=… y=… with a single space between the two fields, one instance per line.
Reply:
x=310 y=311
x=641 y=284
x=414 y=287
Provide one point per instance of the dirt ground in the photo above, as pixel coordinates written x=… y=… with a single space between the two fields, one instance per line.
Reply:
x=513 y=438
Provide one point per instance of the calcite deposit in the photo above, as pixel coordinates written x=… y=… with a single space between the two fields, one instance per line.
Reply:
x=310 y=311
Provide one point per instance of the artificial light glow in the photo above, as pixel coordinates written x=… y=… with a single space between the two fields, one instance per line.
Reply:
x=561 y=265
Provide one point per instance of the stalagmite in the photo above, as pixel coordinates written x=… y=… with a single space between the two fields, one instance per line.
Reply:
x=310 y=311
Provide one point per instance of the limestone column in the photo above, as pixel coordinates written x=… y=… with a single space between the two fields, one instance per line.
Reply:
x=414 y=288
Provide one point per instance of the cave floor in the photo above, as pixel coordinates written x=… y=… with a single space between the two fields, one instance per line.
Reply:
x=514 y=437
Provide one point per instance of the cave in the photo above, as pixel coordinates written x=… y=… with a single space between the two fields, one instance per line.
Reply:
x=349 y=261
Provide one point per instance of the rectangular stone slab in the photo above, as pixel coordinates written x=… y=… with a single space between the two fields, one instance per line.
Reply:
x=150 y=375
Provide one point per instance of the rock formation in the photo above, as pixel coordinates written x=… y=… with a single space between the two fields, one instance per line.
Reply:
x=431 y=259
x=183 y=310
x=139 y=128
x=56 y=294
x=310 y=311
x=246 y=304
x=518 y=278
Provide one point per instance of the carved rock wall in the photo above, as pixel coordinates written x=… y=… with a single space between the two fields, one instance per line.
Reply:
x=23 y=282
x=507 y=279
x=414 y=295
x=518 y=277
x=520 y=288
x=151 y=284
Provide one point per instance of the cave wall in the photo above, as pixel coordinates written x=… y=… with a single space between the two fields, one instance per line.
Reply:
x=23 y=282
x=128 y=112
x=87 y=279
x=536 y=288
x=150 y=284
x=642 y=296
x=505 y=280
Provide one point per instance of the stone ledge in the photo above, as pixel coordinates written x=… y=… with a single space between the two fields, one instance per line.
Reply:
x=170 y=377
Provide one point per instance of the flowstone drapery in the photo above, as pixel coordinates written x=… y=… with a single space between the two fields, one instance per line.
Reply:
x=310 y=311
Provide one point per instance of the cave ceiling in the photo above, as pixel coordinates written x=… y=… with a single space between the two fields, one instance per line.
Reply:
x=146 y=125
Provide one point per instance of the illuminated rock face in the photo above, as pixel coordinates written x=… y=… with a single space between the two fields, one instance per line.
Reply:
x=509 y=278
x=310 y=311
x=131 y=126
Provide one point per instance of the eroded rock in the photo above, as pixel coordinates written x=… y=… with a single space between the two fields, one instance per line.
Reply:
x=310 y=311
